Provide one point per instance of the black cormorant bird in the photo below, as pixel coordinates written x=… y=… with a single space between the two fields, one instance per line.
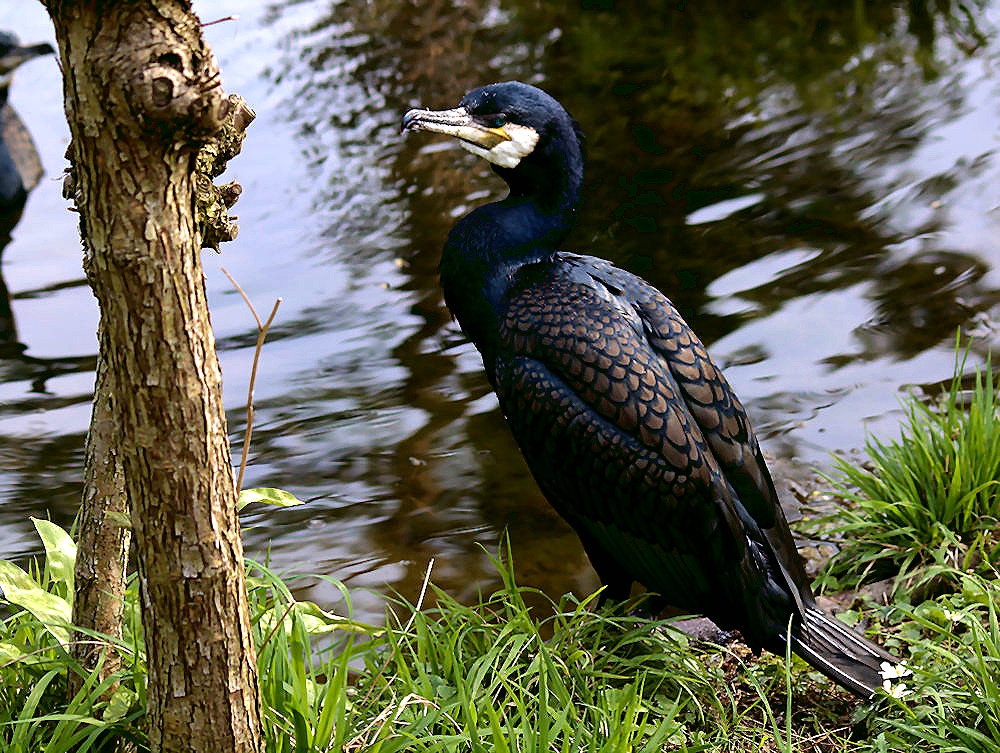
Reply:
x=630 y=429
x=20 y=168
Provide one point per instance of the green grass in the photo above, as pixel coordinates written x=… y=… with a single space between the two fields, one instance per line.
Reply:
x=926 y=506
x=35 y=662
x=954 y=640
x=497 y=676
x=487 y=678
x=492 y=676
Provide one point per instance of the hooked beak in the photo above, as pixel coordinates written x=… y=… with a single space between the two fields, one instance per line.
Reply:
x=457 y=123
x=15 y=56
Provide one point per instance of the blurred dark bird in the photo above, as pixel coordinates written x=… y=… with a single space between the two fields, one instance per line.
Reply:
x=20 y=168
x=630 y=429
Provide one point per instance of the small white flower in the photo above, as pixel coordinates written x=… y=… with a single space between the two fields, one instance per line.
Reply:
x=954 y=616
x=896 y=691
x=891 y=672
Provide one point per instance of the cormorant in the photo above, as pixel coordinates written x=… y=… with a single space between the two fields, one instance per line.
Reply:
x=20 y=169
x=631 y=431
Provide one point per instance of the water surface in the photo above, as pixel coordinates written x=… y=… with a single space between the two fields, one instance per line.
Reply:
x=815 y=187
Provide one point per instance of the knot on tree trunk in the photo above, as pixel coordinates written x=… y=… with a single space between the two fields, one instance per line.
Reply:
x=213 y=202
x=181 y=93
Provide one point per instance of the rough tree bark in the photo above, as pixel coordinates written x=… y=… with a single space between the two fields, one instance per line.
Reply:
x=102 y=541
x=142 y=96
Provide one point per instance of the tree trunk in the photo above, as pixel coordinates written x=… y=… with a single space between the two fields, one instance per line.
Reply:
x=142 y=96
x=102 y=541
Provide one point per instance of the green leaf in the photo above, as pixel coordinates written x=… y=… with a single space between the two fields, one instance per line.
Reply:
x=10 y=653
x=275 y=497
x=120 y=704
x=312 y=619
x=975 y=592
x=317 y=621
x=60 y=552
x=20 y=589
x=25 y=657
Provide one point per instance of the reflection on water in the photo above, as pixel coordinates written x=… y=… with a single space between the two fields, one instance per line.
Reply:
x=816 y=193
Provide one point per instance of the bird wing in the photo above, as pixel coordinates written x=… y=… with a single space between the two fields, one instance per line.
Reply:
x=21 y=147
x=718 y=413
x=608 y=434
x=712 y=402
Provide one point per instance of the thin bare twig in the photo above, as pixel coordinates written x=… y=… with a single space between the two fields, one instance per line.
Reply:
x=420 y=598
x=409 y=624
x=233 y=17
x=262 y=329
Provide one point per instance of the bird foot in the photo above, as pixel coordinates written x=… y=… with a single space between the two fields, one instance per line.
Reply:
x=704 y=630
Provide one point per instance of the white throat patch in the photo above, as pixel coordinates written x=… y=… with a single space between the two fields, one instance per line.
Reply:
x=508 y=153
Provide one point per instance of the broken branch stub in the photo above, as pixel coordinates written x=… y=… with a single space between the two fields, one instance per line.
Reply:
x=213 y=202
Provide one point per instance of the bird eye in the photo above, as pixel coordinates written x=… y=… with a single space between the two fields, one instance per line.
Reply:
x=496 y=121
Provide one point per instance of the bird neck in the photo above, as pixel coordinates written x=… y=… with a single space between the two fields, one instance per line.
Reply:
x=487 y=248
x=551 y=176
x=530 y=223
x=482 y=257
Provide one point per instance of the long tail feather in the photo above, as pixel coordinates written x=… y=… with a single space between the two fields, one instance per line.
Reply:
x=844 y=656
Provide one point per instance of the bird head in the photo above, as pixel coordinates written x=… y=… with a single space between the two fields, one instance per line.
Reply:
x=504 y=123
x=13 y=54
